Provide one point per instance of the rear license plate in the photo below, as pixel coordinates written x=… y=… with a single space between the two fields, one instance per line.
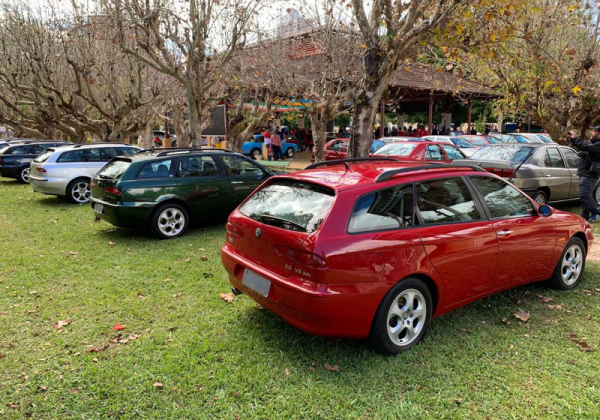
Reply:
x=98 y=208
x=256 y=282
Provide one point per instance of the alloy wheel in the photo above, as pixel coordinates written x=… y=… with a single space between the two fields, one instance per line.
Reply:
x=406 y=317
x=171 y=222
x=572 y=264
x=81 y=192
x=290 y=153
x=540 y=199
x=25 y=173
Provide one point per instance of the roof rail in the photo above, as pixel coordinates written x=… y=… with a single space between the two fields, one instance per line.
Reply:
x=344 y=161
x=387 y=175
x=100 y=142
x=163 y=151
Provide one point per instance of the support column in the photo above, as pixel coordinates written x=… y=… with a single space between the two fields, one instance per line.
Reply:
x=430 y=112
x=469 y=125
x=382 y=125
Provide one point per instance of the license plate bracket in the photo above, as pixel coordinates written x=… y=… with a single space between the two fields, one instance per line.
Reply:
x=256 y=282
x=98 y=208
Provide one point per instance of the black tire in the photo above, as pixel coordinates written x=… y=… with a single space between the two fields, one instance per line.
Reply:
x=597 y=195
x=289 y=153
x=78 y=191
x=174 y=143
x=384 y=321
x=255 y=154
x=23 y=175
x=169 y=221
x=540 y=197
x=560 y=279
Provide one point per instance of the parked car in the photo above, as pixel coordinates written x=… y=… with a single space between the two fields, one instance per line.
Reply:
x=456 y=133
x=399 y=138
x=546 y=172
x=467 y=148
x=480 y=140
x=166 y=190
x=161 y=135
x=337 y=149
x=511 y=138
x=420 y=151
x=15 y=158
x=66 y=171
x=538 y=137
x=254 y=147
x=381 y=248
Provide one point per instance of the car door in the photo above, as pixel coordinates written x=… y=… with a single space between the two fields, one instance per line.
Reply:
x=457 y=238
x=244 y=176
x=204 y=185
x=526 y=240
x=451 y=152
x=434 y=152
x=572 y=160
x=335 y=151
x=556 y=174
x=12 y=162
x=98 y=157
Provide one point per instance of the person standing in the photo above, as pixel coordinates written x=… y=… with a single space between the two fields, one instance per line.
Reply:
x=276 y=145
x=588 y=156
x=267 y=137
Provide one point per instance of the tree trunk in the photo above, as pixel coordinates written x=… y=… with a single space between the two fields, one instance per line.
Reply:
x=180 y=126
x=319 y=131
x=194 y=122
x=146 y=137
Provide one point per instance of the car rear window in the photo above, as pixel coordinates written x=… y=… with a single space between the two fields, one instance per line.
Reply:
x=396 y=149
x=511 y=153
x=114 y=169
x=44 y=156
x=289 y=204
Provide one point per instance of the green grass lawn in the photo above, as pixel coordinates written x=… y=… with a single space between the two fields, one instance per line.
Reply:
x=218 y=360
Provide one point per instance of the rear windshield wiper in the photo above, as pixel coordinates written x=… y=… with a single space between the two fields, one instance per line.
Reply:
x=286 y=224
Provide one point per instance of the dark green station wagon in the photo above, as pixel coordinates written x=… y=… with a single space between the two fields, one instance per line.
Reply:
x=165 y=189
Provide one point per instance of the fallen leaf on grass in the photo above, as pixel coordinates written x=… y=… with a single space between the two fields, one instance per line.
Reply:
x=73 y=253
x=589 y=317
x=522 y=315
x=204 y=258
x=458 y=401
x=95 y=360
x=118 y=327
x=64 y=323
x=583 y=345
x=93 y=349
x=556 y=307
x=74 y=391
x=188 y=259
x=176 y=295
x=287 y=372
x=12 y=405
x=201 y=249
x=54 y=221
x=112 y=243
x=208 y=275
x=546 y=299
x=157 y=385
x=330 y=368
x=42 y=388
x=166 y=280
x=227 y=297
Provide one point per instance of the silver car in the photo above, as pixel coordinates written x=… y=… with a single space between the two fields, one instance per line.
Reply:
x=467 y=148
x=546 y=172
x=67 y=171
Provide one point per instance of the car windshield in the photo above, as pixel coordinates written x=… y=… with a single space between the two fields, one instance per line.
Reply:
x=292 y=205
x=462 y=143
x=115 y=169
x=44 y=156
x=493 y=140
x=396 y=149
x=544 y=138
x=504 y=138
x=511 y=153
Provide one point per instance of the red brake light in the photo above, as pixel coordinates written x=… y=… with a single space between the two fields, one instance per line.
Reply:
x=112 y=190
x=305 y=258
x=41 y=170
x=503 y=173
x=234 y=230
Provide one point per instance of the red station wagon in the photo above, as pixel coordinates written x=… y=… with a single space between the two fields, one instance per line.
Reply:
x=373 y=248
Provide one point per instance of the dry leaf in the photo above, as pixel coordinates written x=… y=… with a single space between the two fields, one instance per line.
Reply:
x=522 y=315
x=157 y=385
x=546 y=299
x=176 y=295
x=112 y=243
x=556 y=307
x=330 y=368
x=73 y=253
x=287 y=372
x=95 y=360
x=188 y=259
x=118 y=327
x=166 y=280
x=458 y=401
x=74 y=391
x=64 y=323
x=93 y=349
x=227 y=297
x=204 y=258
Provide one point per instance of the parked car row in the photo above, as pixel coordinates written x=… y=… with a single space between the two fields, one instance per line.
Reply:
x=363 y=248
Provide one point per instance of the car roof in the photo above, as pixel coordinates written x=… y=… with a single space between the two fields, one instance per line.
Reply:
x=174 y=152
x=365 y=173
x=90 y=145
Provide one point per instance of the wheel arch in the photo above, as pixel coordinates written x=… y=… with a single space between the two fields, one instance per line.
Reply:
x=77 y=178
x=175 y=200
x=432 y=286
x=583 y=238
x=545 y=190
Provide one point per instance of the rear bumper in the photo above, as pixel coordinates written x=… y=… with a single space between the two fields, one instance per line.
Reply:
x=319 y=309
x=126 y=215
x=49 y=186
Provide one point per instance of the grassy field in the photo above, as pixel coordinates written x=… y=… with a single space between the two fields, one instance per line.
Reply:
x=185 y=353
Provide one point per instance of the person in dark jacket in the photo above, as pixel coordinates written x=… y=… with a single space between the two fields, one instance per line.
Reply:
x=589 y=153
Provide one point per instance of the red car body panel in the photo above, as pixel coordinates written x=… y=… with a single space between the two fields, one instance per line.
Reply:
x=418 y=154
x=342 y=298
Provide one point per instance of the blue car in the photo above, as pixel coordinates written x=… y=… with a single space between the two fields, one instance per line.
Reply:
x=254 y=148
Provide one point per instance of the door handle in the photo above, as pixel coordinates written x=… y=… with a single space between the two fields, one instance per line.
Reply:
x=548 y=176
x=237 y=182
x=505 y=233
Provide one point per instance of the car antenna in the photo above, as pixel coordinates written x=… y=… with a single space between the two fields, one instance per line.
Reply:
x=343 y=161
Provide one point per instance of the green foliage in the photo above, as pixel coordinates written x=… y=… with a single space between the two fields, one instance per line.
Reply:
x=342 y=120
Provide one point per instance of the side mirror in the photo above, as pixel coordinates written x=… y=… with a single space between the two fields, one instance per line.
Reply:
x=544 y=210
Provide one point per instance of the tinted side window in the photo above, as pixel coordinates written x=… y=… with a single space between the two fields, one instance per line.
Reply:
x=237 y=165
x=103 y=154
x=479 y=142
x=446 y=201
x=433 y=153
x=160 y=169
x=502 y=199
x=553 y=159
x=391 y=208
x=571 y=156
x=338 y=146
x=73 y=156
x=190 y=166
x=452 y=153
x=128 y=151
x=22 y=150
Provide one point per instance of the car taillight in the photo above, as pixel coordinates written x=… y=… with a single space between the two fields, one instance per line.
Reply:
x=234 y=230
x=503 y=173
x=112 y=190
x=41 y=170
x=305 y=258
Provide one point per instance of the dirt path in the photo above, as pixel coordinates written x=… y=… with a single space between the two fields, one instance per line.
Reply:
x=594 y=253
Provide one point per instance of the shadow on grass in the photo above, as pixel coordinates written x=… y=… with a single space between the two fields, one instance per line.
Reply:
x=144 y=233
x=55 y=201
